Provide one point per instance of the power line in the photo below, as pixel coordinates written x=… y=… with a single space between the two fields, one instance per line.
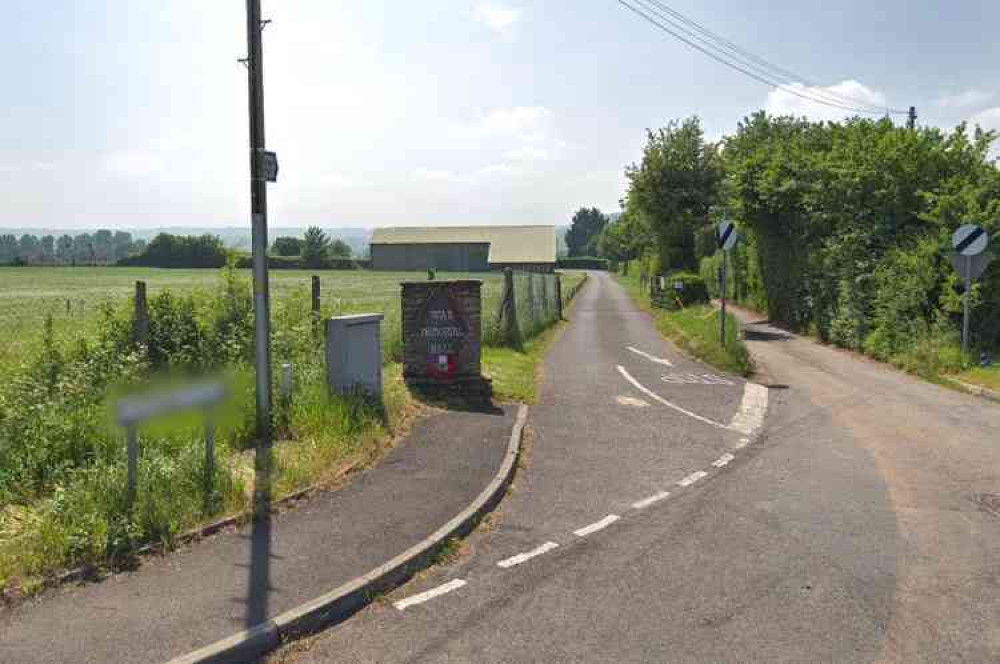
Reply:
x=760 y=64
x=756 y=72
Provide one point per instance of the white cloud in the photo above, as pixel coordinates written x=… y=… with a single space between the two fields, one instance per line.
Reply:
x=531 y=153
x=965 y=99
x=133 y=163
x=988 y=119
x=498 y=18
x=785 y=102
x=435 y=175
x=523 y=123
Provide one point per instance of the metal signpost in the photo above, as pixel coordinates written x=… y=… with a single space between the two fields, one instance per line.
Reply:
x=969 y=242
x=727 y=236
x=135 y=410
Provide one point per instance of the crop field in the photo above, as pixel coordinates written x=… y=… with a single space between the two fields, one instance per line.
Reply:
x=74 y=297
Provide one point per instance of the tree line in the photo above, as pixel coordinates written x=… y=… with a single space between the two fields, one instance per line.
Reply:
x=103 y=247
x=845 y=226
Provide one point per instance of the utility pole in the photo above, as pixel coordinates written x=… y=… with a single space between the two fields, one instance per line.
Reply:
x=911 y=118
x=258 y=209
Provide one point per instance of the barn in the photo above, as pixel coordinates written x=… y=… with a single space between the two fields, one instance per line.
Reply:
x=464 y=248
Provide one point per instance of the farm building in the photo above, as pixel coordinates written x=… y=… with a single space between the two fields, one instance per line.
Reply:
x=465 y=248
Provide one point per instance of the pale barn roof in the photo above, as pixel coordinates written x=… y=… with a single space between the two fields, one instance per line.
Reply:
x=508 y=244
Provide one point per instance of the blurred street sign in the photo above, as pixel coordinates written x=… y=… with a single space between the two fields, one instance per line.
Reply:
x=727 y=235
x=271 y=166
x=971 y=267
x=970 y=240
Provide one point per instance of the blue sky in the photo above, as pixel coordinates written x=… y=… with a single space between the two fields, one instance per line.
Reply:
x=121 y=113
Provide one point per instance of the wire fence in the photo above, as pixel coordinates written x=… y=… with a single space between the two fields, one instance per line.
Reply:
x=530 y=302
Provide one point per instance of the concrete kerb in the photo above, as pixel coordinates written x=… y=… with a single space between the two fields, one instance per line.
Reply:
x=342 y=602
x=983 y=392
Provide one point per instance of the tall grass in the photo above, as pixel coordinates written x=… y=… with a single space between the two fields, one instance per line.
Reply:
x=63 y=496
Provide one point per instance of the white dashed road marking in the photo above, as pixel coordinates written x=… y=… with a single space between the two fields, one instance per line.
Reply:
x=632 y=401
x=723 y=460
x=653 y=395
x=658 y=360
x=692 y=478
x=443 y=589
x=646 y=502
x=525 y=557
x=598 y=525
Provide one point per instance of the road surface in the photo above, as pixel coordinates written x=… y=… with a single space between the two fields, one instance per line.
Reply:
x=656 y=521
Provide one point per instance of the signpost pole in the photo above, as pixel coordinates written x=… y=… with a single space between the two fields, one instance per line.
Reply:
x=258 y=197
x=967 y=276
x=722 y=293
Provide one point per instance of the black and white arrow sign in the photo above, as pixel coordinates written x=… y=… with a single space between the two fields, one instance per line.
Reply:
x=727 y=235
x=970 y=240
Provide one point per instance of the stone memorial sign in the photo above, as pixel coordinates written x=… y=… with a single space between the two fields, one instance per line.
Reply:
x=442 y=326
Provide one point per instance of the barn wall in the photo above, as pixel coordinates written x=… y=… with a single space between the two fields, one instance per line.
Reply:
x=451 y=257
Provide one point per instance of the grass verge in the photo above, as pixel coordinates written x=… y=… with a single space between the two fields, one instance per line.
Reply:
x=515 y=373
x=988 y=377
x=695 y=330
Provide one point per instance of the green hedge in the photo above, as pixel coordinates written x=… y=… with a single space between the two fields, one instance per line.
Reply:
x=582 y=263
x=298 y=263
x=693 y=291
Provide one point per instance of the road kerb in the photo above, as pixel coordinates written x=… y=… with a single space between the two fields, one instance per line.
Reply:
x=342 y=602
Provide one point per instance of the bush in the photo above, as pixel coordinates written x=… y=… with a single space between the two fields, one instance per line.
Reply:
x=298 y=263
x=692 y=291
x=582 y=263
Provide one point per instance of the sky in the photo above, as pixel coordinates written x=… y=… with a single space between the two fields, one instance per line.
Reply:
x=132 y=114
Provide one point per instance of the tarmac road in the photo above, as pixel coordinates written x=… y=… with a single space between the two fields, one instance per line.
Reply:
x=845 y=529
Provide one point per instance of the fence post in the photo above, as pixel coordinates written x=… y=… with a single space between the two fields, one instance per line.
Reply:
x=559 y=302
x=316 y=300
x=140 y=324
x=508 y=312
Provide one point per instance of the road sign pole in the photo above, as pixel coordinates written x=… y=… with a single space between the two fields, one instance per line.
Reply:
x=722 y=293
x=258 y=198
x=967 y=275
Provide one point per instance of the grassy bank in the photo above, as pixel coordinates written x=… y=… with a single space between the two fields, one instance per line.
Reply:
x=695 y=330
x=62 y=457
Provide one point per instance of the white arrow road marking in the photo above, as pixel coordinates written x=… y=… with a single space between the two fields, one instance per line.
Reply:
x=430 y=594
x=598 y=525
x=692 y=478
x=646 y=502
x=652 y=358
x=653 y=395
x=525 y=557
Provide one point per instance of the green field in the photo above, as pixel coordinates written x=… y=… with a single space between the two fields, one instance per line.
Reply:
x=62 y=459
x=74 y=296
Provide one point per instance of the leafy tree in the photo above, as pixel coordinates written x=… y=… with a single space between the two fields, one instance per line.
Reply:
x=340 y=249
x=287 y=246
x=182 y=251
x=83 y=249
x=316 y=246
x=8 y=248
x=674 y=188
x=29 y=249
x=47 y=250
x=121 y=245
x=584 y=230
x=104 y=247
x=64 y=249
